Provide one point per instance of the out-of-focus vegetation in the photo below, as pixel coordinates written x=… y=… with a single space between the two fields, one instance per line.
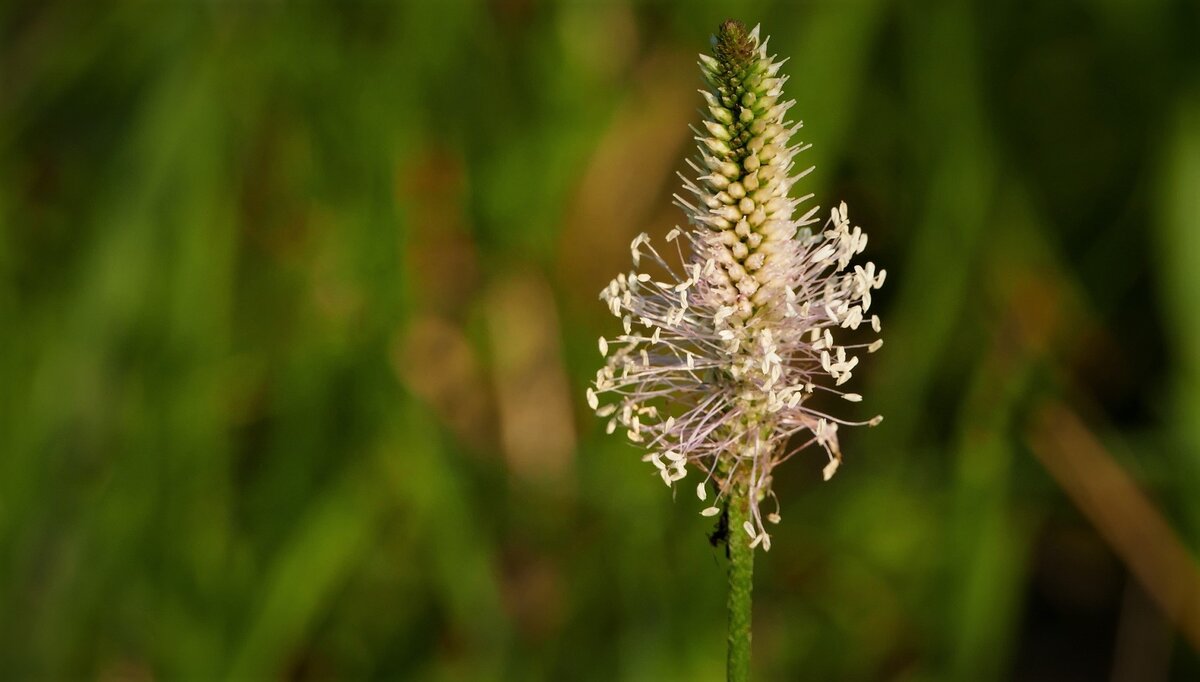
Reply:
x=298 y=303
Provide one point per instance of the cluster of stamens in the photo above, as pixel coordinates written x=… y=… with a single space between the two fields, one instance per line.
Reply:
x=723 y=353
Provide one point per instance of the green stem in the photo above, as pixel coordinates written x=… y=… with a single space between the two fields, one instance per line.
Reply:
x=741 y=571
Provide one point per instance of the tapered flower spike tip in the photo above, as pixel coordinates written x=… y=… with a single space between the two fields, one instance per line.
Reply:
x=718 y=365
x=733 y=44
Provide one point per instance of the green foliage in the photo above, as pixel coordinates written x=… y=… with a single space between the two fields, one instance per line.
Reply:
x=297 y=307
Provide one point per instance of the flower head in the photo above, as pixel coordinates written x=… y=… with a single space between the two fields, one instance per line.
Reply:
x=723 y=354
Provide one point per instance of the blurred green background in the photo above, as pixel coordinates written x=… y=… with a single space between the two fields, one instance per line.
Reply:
x=298 y=305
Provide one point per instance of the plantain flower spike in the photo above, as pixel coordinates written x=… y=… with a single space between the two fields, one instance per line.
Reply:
x=723 y=353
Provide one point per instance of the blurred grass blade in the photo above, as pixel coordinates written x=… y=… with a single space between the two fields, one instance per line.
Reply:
x=1123 y=515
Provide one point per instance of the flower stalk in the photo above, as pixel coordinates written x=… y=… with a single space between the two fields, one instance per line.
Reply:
x=741 y=572
x=728 y=355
